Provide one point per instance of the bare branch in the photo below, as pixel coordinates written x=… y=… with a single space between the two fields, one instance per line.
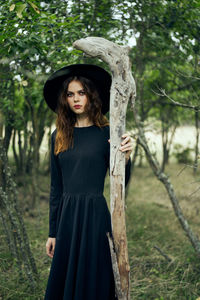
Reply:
x=163 y=253
x=194 y=192
x=185 y=166
x=163 y=94
x=187 y=76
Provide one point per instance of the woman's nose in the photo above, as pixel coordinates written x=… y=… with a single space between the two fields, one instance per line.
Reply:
x=76 y=97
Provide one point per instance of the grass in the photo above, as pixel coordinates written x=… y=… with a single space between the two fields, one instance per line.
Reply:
x=150 y=222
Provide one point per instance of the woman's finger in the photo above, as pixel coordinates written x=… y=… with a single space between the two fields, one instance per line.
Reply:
x=48 y=249
x=50 y=246
x=128 y=146
x=126 y=138
x=124 y=135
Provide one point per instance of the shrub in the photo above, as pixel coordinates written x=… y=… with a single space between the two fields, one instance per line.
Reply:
x=183 y=155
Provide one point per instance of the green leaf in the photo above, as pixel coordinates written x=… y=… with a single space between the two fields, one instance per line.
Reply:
x=19 y=9
x=12 y=7
x=36 y=9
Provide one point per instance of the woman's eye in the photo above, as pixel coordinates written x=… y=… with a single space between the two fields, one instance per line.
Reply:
x=82 y=93
x=69 y=94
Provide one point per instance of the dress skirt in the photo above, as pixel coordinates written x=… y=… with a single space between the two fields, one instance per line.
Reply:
x=81 y=267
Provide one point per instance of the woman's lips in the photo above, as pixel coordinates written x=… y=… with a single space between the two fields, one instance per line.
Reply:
x=77 y=106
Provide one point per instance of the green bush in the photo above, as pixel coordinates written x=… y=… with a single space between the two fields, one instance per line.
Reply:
x=182 y=155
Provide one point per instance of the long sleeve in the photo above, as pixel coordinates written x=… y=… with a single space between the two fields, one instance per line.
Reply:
x=127 y=172
x=127 y=166
x=55 y=189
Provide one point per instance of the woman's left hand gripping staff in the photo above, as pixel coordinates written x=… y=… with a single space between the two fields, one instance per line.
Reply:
x=126 y=145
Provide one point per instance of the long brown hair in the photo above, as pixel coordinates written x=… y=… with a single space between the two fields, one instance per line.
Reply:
x=66 y=118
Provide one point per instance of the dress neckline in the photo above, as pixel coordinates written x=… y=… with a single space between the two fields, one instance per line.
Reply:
x=84 y=127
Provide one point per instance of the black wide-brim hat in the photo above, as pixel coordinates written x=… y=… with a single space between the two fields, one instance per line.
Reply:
x=100 y=77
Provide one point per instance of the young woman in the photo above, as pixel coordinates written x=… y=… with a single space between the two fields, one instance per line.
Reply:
x=79 y=217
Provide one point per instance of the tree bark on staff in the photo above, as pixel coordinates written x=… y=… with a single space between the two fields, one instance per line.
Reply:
x=122 y=90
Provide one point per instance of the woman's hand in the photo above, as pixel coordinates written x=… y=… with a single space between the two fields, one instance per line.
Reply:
x=50 y=246
x=126 y=145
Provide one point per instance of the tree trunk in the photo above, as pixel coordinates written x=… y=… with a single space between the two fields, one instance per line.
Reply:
x=197 y=122
x=33 y=152
x=13 y=223
x=122 y=90
x=8 y=133
x=166 y=139
x=16 y=158
x=1 y=136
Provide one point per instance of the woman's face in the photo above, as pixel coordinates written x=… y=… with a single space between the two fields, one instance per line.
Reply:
x=76 y=97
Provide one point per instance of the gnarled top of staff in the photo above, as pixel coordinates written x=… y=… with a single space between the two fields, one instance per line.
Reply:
x=117 y=57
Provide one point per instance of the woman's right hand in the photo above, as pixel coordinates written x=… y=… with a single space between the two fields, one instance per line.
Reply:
x=50 y=246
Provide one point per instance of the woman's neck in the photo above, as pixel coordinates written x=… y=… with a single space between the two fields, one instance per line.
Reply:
x=83 y=123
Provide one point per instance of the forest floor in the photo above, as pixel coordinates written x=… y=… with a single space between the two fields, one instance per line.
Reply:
x=151 y=223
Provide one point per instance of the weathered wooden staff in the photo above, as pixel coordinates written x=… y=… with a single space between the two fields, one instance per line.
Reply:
x=122 y=90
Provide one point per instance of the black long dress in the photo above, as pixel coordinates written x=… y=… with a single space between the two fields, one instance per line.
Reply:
x=79 y=218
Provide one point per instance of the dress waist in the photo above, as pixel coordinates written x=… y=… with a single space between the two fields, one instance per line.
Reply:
x=94 y=194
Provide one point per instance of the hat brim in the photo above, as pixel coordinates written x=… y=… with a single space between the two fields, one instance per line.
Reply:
x=100 y=77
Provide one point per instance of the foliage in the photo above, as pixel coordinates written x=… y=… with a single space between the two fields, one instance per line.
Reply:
x=183 y=155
